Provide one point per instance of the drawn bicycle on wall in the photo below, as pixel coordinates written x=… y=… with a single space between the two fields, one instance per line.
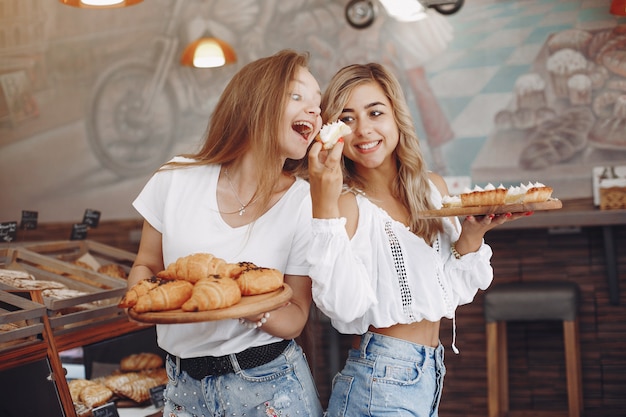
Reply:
x=136 y=107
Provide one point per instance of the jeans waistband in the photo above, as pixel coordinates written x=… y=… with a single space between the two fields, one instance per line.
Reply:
x=201 y=367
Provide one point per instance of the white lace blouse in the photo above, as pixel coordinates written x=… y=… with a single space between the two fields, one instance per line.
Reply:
x=386 y=274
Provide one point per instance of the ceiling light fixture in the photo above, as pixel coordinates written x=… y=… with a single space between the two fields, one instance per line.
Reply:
x=99 y=4
x=404 y=10
x=208 y=52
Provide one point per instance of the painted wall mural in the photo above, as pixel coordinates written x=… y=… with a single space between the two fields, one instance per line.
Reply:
x=92 y=101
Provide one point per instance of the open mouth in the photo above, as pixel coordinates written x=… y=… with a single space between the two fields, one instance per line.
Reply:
x=303 y=128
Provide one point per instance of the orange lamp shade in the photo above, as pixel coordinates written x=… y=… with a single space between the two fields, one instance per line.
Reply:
x=208 y=53
x=99 y=4
x=618 y=7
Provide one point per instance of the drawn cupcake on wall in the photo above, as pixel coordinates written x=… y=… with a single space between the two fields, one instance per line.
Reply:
x=562 y=65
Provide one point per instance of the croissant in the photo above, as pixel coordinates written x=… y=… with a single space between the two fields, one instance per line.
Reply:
x=168 y=296
x=213 y=293
x=199 y=265
x=256 y=280
x=137 y=290
x=95 y=394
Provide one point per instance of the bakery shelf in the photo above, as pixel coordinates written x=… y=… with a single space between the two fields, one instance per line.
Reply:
x=88 y=297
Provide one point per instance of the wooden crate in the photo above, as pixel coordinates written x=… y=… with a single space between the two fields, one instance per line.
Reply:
x=73 y=250
x=23 y=316
x=99 y=300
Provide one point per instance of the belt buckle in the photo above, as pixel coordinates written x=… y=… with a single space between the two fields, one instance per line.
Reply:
x=219 y=366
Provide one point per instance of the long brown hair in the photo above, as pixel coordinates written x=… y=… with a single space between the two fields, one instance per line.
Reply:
x=411 y=185
x=248 y=117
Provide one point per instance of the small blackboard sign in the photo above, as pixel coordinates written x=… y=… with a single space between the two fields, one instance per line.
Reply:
x=106 y=410
x=91 y=218
x=156 y=396
x=8 y=231
x=79 y=231
x=29 y=220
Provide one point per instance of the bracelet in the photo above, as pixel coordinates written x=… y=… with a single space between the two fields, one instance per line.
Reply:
x=255 y=324
x=455 y=252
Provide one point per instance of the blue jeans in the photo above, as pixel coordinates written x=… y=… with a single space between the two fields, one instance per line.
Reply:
x=388 y=377
x=282 y=387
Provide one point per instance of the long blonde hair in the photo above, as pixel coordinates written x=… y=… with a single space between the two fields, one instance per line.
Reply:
x=411 y=185
x=248 y=118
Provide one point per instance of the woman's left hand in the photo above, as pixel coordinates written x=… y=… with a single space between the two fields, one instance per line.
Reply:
x=473 y=229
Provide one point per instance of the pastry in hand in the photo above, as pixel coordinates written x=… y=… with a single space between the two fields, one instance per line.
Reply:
x=255 y=280
x=170 y=295
x=213 y=293
x=137 y=290
x=198 y=265
x=331 y=132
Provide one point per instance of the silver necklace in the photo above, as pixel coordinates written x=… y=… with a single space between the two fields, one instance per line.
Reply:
x=243 y=207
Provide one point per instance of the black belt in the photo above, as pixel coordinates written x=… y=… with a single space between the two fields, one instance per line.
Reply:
x=198 y=368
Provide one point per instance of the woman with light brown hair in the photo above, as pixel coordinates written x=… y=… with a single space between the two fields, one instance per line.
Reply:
x=237 y=199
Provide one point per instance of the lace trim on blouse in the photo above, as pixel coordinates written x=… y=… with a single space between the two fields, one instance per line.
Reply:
x=398 y=261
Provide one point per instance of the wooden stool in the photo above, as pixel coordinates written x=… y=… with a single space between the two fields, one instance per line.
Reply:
x=526 y=301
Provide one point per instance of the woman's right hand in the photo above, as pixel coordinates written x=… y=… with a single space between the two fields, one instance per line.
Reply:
x=326 y=179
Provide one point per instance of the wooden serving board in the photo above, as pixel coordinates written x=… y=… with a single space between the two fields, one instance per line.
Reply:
x=248 y=306
x=552 y=204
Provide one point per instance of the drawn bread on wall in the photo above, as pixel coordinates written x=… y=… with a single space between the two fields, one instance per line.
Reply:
x=559 y=139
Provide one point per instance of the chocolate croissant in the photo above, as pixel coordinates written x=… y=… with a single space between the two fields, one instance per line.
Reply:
x=213 y=293
x=197 y=266
x=256 y=280
x=168 y=296
x=137 y=290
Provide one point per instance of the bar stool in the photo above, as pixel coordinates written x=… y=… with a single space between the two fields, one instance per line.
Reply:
x=531 y=301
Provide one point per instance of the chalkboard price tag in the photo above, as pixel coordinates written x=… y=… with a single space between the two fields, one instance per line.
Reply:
x=8 y=231
x=29 y=220
x=79 y=231
x=91 y=218
x=156 y=396
x=106 y=410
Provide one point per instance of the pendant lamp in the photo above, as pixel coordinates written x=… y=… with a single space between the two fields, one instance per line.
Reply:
x=208 y=52
x=618 y=7
x=99 y=4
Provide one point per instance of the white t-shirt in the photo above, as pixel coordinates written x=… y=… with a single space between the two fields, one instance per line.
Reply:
x=181 y=204
x=386 y=274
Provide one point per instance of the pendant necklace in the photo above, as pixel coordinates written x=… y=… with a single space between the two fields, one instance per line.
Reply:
x=243 y=207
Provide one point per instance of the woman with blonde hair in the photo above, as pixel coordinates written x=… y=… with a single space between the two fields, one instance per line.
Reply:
x=379 y=270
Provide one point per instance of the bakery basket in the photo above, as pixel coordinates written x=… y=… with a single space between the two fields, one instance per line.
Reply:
x=612 y=198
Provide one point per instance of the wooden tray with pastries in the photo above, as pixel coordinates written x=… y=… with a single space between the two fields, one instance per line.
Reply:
x=202 y=287
x=248 y=306
x=551 y=204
